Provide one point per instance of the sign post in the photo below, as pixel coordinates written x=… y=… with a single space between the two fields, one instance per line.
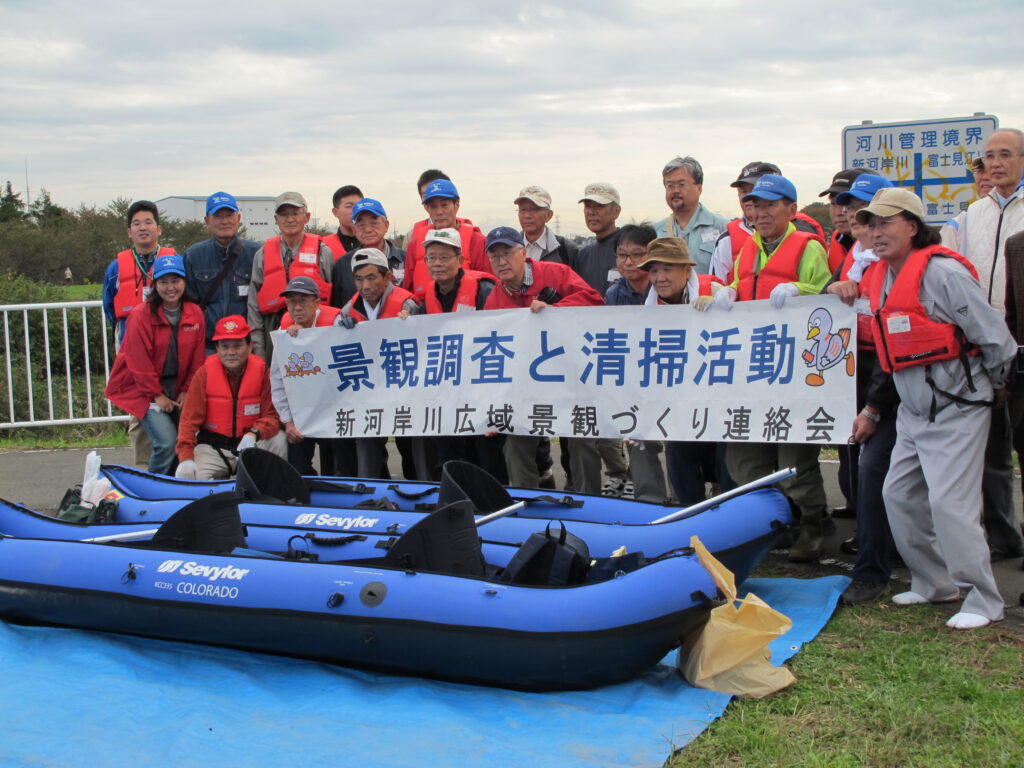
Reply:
x=931 y=157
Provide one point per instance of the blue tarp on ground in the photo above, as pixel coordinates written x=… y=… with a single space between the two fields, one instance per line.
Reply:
x=72 y=698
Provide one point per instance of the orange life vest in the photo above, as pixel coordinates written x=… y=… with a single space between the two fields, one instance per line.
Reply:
x=324 y=318
x=465 y=297
x=306 y=263
x=130 y=284
x=227 y=414
x=782 y=266
x=392 y=304
x=334 y=243
x=836 y=252
x=865 y=323
x=904 y=333
x=737 y=236
x=416 y=274
x=819 y=233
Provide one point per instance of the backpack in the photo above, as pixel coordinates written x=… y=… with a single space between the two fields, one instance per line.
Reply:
x=562 y=559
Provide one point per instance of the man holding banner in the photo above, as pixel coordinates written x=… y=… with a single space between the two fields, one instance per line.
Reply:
x=538 y=285
x=777 y=263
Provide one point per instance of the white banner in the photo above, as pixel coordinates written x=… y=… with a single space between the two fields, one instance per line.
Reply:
x=754 y=374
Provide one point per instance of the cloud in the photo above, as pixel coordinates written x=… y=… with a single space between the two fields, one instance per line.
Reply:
x=185 y=98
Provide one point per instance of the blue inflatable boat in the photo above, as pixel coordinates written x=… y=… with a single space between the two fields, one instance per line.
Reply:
x=739 y=531
x=429 y=605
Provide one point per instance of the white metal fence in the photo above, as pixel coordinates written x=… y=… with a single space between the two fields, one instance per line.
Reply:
x=57 y=348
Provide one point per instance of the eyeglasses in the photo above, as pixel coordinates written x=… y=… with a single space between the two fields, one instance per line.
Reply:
x=508 y=255
x=630 y=256
x=672 y=186
x=1002 y=155
x=853 y=207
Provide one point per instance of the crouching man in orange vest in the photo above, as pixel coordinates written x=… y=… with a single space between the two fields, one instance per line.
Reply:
x=228 y=407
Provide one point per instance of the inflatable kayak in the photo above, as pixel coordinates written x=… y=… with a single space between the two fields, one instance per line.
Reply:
x=430 y=606
x=739 y=531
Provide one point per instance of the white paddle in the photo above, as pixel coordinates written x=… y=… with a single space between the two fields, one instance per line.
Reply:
x=714 y=501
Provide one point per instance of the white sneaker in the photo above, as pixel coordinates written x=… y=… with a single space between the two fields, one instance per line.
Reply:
x=964 y=620
x=614 y=487
x=912 y=598
x=627 y=490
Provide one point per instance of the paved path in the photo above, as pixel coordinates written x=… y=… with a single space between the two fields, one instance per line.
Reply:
x=38 y=479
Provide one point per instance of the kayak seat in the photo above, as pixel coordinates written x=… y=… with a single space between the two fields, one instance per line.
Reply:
x=462 y=481
x=264 y=476
x=210 y=525
x=445 y=541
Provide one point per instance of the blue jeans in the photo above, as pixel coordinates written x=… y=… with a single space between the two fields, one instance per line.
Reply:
x=162 y=429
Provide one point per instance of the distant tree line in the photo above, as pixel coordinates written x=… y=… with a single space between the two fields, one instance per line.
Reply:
x=41 y=239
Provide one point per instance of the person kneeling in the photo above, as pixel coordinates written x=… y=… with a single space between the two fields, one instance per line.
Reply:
x=228 y=408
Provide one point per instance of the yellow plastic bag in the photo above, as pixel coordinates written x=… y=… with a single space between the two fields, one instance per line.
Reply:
x=730 y=654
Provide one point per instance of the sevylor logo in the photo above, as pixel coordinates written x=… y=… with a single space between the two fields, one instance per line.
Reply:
x=333 y=521
x=211 y=572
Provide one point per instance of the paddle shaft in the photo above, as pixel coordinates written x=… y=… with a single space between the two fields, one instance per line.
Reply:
x=714 y=501
x=500 y=513
x=132 y=536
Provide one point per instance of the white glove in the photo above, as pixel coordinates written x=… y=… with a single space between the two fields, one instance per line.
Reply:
x=701 y=303
x=724 y=298
x=248 y=441
x=781 y=292
x=186 y=470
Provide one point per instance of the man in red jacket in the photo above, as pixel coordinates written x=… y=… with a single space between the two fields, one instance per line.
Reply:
x=228 y=408
x=537 y=285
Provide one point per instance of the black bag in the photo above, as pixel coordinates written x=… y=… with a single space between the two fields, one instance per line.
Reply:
x=544 y=559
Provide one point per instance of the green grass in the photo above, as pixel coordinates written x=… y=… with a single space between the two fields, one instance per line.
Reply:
x=82 y=292
x=71 y=436
x=882 y=686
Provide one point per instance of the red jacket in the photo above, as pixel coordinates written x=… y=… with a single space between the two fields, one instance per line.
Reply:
x=904 y=333
x=416 y=275
x=572 y=289
x=134 y=382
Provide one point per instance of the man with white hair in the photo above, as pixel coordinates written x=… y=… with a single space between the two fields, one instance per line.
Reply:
x=683 y=179
x=982 y=237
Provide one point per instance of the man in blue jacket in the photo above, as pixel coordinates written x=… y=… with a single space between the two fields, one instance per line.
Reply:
x=218 y=270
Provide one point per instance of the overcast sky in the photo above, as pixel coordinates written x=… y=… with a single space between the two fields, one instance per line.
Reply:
x=151 y=99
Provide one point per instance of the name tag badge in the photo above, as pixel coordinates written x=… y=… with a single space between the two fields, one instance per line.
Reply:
x=710 y=236
x=465 y=308
x=399 y=273
x=146 y=290
x=307 y=258
x=243 y=291
x=251 y=409
x=862 y=306
x=898 y=324
x=613 y=275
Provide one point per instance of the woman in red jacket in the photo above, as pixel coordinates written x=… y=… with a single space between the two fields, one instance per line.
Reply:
x=163 y=347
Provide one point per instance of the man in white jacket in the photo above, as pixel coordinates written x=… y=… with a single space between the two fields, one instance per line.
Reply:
x=981 y=237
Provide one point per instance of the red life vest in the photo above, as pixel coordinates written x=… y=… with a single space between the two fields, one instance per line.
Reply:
x=324 y=318
x=466 y=295
x=904 y=333
x=865 y=323
x=738 y=236
x=416 y=274
x=334 y=243
x=305 y=264
x=819 y=233
x=392 y=304
x=836 y=252
x=782 y=266
x=227 y=414
x=130 y=284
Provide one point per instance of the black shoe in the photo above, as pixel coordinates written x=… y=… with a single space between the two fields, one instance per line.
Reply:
x=844 y=513
x=1001 y=554
x=784 y=541
x=849 y=546
x=863 y=592
x=828 y=525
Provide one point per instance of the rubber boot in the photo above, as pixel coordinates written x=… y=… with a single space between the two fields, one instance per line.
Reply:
x=809 y=543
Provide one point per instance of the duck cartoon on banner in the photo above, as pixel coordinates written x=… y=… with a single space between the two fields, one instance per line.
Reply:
x=829 y=349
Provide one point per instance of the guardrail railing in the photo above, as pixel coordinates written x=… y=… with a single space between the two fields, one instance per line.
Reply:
x=57 y=357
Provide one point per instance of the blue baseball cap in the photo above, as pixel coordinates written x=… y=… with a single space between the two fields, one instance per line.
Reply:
x=440 y=188
x=171 y=264
x=864 y=188
x=772 y=187
x=369 y=205
x=504 y=236
x=219 y=200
